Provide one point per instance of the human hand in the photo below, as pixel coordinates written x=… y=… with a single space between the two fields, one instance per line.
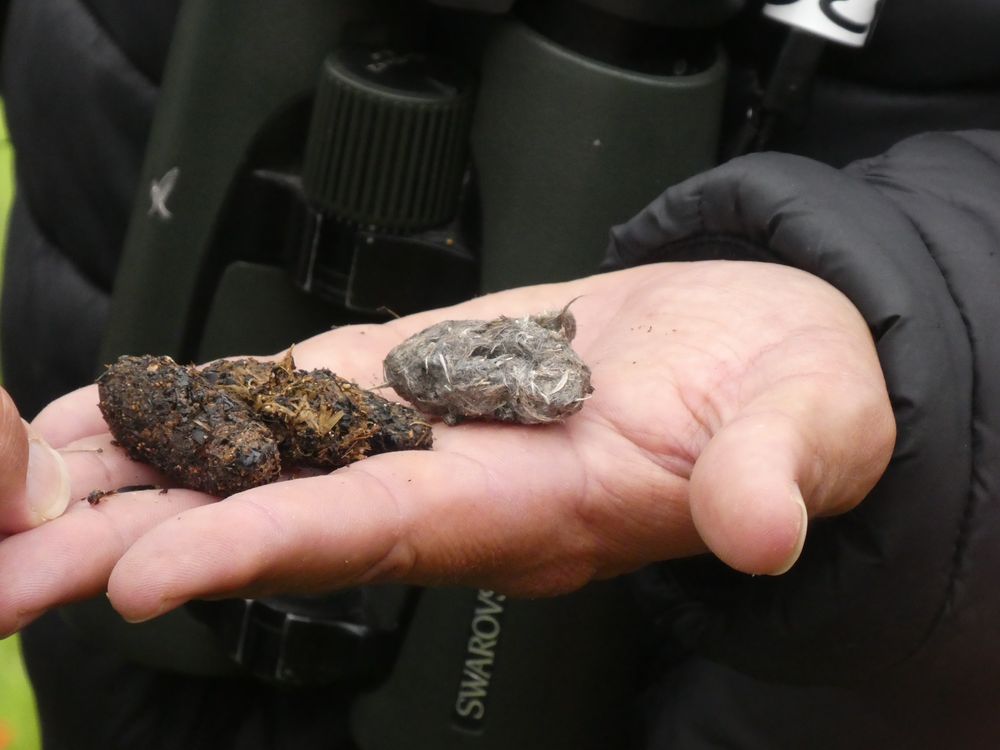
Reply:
x=731 y=400
x=34 y=482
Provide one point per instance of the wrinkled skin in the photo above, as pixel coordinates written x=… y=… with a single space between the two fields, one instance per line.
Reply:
x=730 y=400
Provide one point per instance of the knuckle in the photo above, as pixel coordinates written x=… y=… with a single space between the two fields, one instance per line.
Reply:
x=555 y=581
x=397 y=564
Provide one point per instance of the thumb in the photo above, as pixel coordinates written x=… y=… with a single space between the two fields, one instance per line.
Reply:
x=796 y=453
x=745 y=497
x=34 y=482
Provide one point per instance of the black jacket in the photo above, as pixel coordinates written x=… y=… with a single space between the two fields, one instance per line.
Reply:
x=878 y=636
x=884 y=635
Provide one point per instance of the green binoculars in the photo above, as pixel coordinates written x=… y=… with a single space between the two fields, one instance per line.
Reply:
x=326 y=162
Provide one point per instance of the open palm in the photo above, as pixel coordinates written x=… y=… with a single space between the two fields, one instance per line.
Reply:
x=731 y=399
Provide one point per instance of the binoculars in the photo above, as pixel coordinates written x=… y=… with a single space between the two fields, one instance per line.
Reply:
x=326 y=162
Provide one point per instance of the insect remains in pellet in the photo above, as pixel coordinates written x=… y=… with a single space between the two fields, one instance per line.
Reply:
x=97 y=495
x=237 y=424
x=508 y=369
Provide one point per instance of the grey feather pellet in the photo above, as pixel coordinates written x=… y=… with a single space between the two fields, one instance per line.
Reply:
x=508 y=369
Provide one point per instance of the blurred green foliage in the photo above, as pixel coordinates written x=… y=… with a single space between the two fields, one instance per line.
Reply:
x=6 y=180
x=18 y=723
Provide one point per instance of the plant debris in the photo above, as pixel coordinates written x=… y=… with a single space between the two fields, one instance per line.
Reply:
x=508 y=369
x=96 y=496
x=236 y=424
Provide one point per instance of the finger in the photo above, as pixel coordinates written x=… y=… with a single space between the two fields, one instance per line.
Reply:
x=13 y=449
x=745 y=497
x=70 y=418
x=797 y=453
x=420 y=517
x=91 y=465
x=71 y=557
x=354 y=526
x=34 y=485
x=97 y=464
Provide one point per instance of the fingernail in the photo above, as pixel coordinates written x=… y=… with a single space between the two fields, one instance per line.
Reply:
x=138 y=619
x=47 y=482
x=803 y=528
x=22 y=618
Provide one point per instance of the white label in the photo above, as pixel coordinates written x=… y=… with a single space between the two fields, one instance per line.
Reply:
x=480 y=655
x=844 y=21
x=160 y=191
